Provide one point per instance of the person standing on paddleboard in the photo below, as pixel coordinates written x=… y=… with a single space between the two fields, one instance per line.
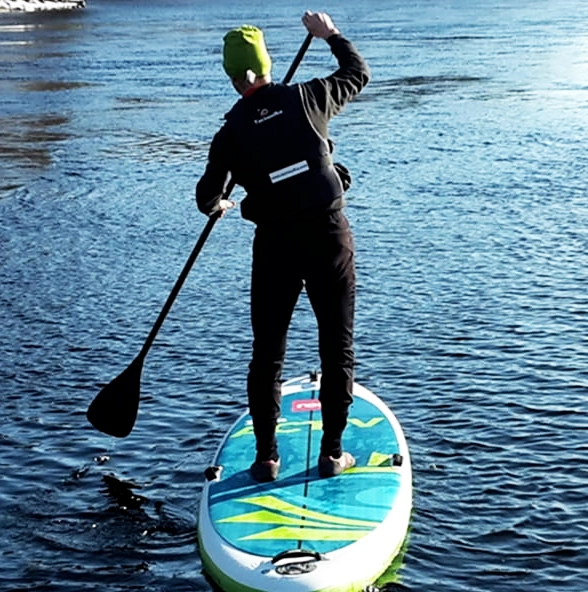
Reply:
x=275 y=143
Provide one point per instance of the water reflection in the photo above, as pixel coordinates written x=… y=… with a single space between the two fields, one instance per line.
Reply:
x=40 y=22
x=40 y=75
x=153 y=147
x=52 y=85
x=418 y=85
x=26 y=141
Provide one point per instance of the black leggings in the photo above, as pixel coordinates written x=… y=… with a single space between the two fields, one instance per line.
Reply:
x=317 y=255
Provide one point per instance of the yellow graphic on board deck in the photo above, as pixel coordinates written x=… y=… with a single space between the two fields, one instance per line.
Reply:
x=292 y=522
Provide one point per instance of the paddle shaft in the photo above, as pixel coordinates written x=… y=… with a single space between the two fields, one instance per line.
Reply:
x=178 y=285
x=207 y=229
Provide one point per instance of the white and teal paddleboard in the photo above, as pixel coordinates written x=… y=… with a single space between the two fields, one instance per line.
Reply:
x=302 y=533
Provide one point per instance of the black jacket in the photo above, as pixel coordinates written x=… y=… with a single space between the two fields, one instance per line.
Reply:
x=275 y=144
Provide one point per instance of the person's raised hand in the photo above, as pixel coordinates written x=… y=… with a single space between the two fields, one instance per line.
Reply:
x=319 y=24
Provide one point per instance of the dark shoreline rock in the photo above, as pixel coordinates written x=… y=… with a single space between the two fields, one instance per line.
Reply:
x=37 y=5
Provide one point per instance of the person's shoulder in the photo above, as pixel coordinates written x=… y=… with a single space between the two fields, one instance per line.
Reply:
x=234 y=110
x=278 y=88
x=277 y=92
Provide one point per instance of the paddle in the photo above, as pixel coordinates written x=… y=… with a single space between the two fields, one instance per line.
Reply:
x=114 y=409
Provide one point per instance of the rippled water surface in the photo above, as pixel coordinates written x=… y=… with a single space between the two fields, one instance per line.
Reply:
x=469 y=206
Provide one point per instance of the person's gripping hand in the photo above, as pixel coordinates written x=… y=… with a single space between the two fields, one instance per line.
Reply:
x=222 y=206
x=319 y=24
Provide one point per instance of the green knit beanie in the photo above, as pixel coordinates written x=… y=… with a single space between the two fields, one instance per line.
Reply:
x=244 y=50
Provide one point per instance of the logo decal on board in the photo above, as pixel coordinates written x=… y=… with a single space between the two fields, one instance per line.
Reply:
x=306 y=405
x=288 y=426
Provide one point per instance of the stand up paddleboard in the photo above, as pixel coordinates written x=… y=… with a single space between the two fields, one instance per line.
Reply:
x=302 y=533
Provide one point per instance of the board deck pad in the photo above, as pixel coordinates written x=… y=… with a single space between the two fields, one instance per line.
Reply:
x=301 y=511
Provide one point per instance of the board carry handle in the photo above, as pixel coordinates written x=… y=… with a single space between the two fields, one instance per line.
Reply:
x=297 y=554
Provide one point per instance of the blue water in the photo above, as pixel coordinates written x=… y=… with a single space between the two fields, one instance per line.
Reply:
x=469 y=207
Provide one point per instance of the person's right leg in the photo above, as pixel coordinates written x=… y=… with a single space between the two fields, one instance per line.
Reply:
x=330 y=284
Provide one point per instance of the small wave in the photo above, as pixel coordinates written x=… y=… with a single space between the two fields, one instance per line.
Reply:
x=53 y=85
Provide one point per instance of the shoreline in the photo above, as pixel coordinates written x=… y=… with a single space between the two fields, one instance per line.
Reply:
x=40 y=5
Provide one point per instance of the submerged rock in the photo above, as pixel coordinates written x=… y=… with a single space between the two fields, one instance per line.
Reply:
x=35 y=5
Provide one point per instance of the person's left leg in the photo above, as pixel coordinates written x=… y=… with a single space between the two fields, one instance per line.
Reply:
x=274 y=292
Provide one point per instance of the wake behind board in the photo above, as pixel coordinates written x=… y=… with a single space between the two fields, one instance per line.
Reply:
x=302 y=533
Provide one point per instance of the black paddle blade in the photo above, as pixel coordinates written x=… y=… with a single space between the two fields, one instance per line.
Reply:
x=114 y=409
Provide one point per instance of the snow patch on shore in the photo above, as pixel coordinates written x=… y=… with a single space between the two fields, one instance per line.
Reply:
x=35 y=5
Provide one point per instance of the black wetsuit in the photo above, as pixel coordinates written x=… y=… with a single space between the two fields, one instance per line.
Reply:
x=275 y=144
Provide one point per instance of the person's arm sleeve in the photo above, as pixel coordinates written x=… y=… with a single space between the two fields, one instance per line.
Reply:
x=332 y=93
x=211 y=186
